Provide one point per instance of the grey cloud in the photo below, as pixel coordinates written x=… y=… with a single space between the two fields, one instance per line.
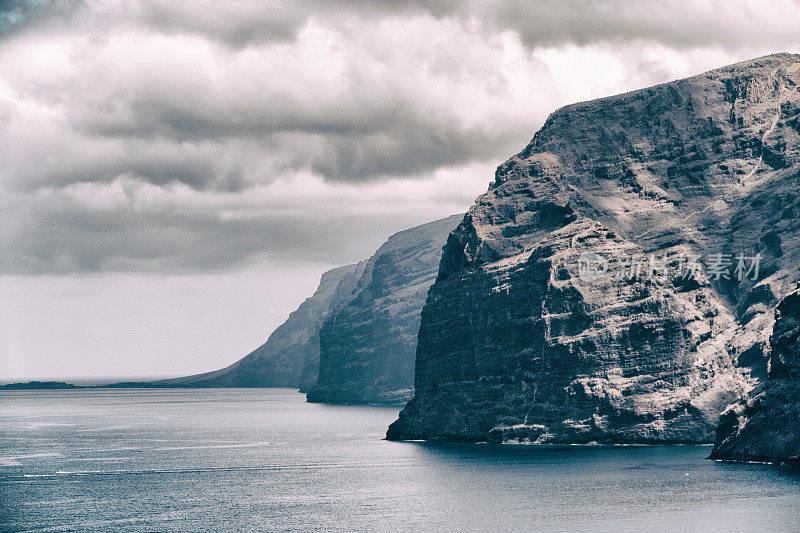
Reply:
x=184 y=118
x=365 y=133
x=407 y=150
x=16 y=15
x=199 y=165
x=346 y=143
x=243 y=23
x=235 y=23
x=540 y=23
x=62 y=237
x=674 y=23
x=236 y=105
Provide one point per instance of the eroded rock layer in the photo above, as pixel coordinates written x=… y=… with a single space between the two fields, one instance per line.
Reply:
x=368 y=345
x=515 y=344
x=765 y=426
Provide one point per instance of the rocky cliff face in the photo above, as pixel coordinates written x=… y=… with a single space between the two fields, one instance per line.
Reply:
x=290 y=357
x=354 y=340
x=765 y=426
x=368 y=345
x=518 y=342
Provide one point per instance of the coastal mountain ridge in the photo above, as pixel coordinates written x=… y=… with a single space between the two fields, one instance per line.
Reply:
x=515 y=345
x=290 y=356
x=368 y=345
x=354 y=340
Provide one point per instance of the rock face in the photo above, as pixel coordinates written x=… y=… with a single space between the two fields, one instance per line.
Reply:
x=766 y=425
x=519 y=343
x=354 y=340
x=368 y=345
x=290 y=357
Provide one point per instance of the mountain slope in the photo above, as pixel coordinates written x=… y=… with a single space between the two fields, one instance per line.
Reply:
x=368 y=345
x=516 y=343
x=364 y=317
x=290 y=357
x=765 y=426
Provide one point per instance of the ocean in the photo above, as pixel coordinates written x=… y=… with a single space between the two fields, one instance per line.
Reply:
x=265 y=460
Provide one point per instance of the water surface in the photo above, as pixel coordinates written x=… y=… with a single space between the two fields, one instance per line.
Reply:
x=263 y=459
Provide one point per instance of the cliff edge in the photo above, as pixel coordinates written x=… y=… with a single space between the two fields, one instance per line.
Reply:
x=617 y=281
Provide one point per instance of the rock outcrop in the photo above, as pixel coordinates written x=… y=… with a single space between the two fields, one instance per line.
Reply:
x=766 y=425
x=519 y=341
x=368 y=345
x=355 y=339
x=290 y=357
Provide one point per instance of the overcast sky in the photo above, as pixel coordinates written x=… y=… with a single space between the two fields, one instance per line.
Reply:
x=175 y=176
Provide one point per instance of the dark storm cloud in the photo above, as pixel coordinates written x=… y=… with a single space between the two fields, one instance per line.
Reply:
x=201 y=166
x=105 y=105
x=188 y=118
x=339 y=102
x=235 y=23
x=409 y=150
x=348 y=143
x=242 y=23
x=674 y=23
x=64 y=237
x=540 y=22
x=16 y=15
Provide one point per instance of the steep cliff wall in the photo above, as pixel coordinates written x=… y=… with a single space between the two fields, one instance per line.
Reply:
x=515 y=344
x=290 y=357
x=364 y=320
x=368 y=345
x=765 y=426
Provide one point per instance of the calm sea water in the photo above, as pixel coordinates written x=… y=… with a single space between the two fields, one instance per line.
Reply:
x=243 y=460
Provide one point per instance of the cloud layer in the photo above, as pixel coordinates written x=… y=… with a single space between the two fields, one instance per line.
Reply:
x=155 y=135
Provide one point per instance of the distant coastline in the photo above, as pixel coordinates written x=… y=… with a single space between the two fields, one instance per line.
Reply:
x=95 y=383
x=56 y=385
x=40 y=385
